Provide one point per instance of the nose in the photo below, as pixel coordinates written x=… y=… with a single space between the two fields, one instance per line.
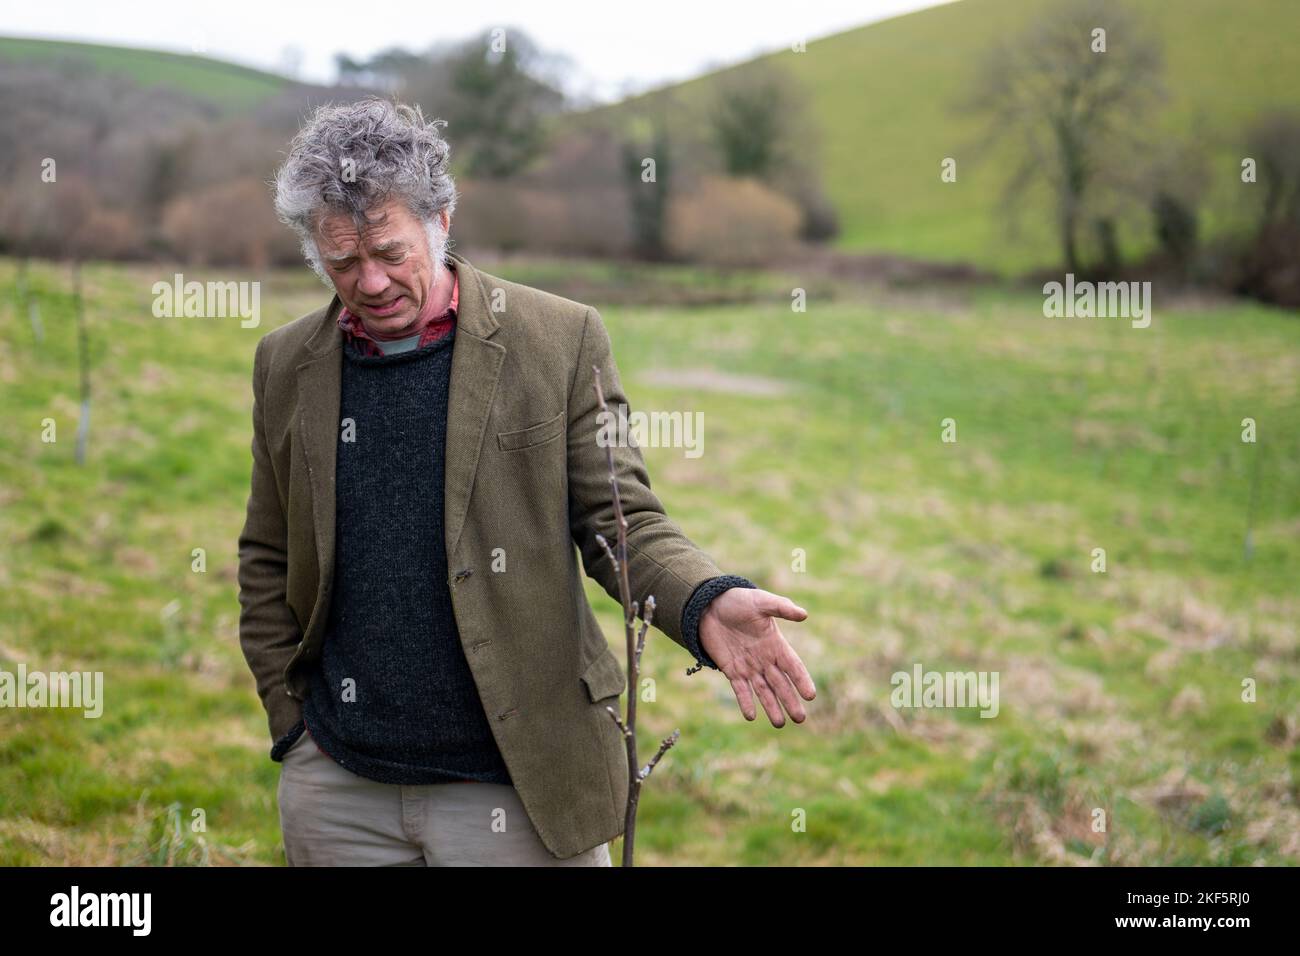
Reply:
x=373 y=280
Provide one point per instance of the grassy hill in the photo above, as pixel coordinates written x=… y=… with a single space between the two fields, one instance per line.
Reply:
x=885 y=100
x=884 y=97
x=228 y=85
x=1119 y=690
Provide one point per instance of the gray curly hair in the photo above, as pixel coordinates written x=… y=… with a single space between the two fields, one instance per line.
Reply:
x=352 y=158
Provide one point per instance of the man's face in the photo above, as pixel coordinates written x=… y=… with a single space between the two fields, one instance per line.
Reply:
x=384 y=273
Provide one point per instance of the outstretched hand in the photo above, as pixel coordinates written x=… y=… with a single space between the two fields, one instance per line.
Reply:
x=738 y=630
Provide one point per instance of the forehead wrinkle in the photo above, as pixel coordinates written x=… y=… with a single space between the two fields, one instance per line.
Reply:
x=348 y=251
x=343 y=235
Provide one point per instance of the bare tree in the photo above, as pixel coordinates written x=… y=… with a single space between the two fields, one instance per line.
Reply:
x=496 y=92
x=1267 y=266
x=83 y=362
x=648 y=199
x=1273 y=141
x=1072 y=94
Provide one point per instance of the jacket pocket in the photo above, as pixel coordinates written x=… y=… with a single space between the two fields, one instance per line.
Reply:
x=532 y=435
x=604 y=677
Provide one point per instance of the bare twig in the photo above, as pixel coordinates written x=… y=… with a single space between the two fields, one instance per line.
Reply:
x=27 y=302
x=663 y=749
x=635 y=645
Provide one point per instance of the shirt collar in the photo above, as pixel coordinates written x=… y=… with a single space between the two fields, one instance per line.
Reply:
x=439 y=326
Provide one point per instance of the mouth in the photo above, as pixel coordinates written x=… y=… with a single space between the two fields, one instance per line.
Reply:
x=386 y=308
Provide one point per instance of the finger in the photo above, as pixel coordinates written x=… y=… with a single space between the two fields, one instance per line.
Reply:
x=777 y=606
x=792 y=667
x=795 y=670
x=774 y=712
x=745 y=699
x=785 y=692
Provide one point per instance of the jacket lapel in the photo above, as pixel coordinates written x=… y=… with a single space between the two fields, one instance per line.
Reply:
x=319 y=393
x=475 y=370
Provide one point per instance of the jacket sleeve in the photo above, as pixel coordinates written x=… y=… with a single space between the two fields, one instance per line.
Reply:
x=268 y=631
x=662 y=561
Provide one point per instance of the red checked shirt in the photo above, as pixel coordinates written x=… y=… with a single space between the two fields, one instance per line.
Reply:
x=440 y=326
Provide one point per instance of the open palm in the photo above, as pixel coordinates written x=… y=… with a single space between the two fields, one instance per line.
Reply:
x=739 y=632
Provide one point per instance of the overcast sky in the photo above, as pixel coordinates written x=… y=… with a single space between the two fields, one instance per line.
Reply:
x=616 y=48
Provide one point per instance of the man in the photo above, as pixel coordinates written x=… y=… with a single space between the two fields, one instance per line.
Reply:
x=425 y=460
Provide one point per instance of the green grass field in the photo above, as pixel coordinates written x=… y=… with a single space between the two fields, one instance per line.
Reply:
x=1120 y=691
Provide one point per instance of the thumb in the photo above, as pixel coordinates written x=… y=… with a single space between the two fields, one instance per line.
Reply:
x=774 y=605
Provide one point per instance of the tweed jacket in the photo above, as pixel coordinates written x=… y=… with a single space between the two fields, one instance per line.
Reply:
x=526 y=491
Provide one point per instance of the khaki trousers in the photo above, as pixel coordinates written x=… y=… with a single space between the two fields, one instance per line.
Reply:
x=331 y=817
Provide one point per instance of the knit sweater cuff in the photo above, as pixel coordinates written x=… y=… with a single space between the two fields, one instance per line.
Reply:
x=285 y=743
x=696 y=606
